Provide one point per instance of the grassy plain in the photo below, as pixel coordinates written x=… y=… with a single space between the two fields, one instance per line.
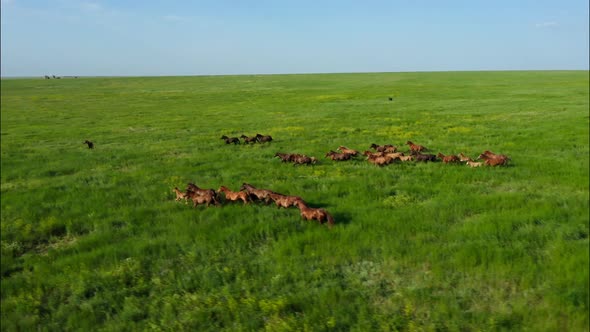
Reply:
x=92 y=239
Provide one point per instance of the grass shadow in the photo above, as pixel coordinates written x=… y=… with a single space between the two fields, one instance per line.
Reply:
x=342 y=218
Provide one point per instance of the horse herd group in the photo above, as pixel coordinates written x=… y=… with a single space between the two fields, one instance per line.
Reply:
x=258 y=138
x=387 y=154
x=248 y=194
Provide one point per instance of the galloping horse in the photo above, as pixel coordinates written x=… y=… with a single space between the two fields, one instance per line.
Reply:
x=415 y=147
x=229 y=140
x=234 y=196
x=260 y=194
x=320 y=215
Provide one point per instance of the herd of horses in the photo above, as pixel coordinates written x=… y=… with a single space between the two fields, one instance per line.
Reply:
x=381 y=155
x=249 y=194
x=386 y=154
x=258 y=138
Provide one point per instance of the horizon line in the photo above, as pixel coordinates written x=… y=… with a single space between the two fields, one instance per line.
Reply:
x=270 y=74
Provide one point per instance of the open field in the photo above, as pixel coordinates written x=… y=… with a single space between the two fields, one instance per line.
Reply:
x=93 y=239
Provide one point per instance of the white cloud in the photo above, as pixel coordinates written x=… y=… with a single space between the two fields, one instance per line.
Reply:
x=546 y=25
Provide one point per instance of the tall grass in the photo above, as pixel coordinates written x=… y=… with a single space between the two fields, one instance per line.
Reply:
x=94 y=239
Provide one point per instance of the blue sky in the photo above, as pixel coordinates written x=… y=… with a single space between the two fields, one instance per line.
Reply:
x=167 y=37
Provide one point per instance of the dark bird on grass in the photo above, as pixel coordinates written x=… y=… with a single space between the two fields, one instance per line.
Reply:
x=90 y=144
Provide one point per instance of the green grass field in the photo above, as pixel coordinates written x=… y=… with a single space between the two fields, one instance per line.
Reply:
x=93 y=239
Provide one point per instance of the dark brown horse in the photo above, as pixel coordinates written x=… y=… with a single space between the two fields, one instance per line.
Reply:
x=230 y=140
x=263 y=138
x=249 y=140
x=417 y=156
x=285 y=157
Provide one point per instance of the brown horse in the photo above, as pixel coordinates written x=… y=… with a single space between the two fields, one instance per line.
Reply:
x=320 y=215
x=249 y=140
x=230 y=140
x=381 y=160
x=285 y=157
x=338 y=156
x=497 y=160
x=351 y=152
x=448 y=159
x=415 y=147
x=207 y=198
x=260 y=194
x=303 y=160
x=193 y=190
x=493 y=155
x=384 y=148
x=234 y=196
x=263 y=138
x=284 y=200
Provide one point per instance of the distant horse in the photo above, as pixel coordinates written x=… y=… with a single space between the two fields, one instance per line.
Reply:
x=417 y=156
x=249 y=140
x=495 y=160
x=351 y=152
x=263 y=138
x=229 y=140
x=380 y=160
x=285 y=157
x=303 y=160
x=415 y=147
x=338 y=156
x=448 y=159
x=90 y=144
x=384 y=148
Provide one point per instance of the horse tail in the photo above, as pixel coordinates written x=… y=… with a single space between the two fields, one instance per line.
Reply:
x=330 y=220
